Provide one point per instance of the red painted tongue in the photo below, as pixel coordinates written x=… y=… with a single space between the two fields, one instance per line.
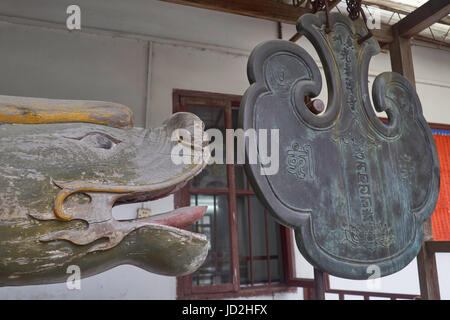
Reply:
x=179 y=218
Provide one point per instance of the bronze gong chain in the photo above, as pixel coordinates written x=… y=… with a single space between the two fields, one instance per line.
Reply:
x=354 y=11
x=318 y=5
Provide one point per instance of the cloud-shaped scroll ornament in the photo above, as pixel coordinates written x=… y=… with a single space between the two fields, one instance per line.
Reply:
x=356 y=191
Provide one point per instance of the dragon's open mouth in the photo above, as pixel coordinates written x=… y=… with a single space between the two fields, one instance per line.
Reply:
x=177 y=218
x=97 y=212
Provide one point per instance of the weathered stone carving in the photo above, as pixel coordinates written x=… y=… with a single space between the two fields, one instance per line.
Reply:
x=59 y=181
x=356 y=191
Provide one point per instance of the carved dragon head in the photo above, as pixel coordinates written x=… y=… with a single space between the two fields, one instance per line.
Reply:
x=64 y=165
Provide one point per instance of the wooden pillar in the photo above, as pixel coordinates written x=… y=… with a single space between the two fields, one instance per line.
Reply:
x=319 y=285
x=402 y=62
x=401 y=57
x=426 y=265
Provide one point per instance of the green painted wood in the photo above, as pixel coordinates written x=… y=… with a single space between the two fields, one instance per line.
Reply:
x=39 y=161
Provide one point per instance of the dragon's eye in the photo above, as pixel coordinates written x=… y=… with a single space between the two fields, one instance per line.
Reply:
x=98 y=140
x=103 y=142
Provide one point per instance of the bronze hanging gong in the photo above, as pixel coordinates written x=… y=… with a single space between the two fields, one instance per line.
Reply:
x=355 y=191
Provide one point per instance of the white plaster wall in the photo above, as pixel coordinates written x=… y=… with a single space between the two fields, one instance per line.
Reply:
x=123 y=282
x=151 y=17
x=203 y=50
x=176 y=66
x=443 y=267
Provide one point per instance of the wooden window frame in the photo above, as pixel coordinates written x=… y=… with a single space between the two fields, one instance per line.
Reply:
x=181 y=100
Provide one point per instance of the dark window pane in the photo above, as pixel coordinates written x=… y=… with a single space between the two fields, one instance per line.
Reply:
x=239 y=155
x=215 y=225
x=235 y=117
x=214 y=176
x=213 y=117
x=256 y=228
x=260 y=271
x=240 y=177
x=243 y=240
x=276 y=275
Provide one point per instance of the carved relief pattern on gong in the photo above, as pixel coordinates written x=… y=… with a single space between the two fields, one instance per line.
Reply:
x=300 y=161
